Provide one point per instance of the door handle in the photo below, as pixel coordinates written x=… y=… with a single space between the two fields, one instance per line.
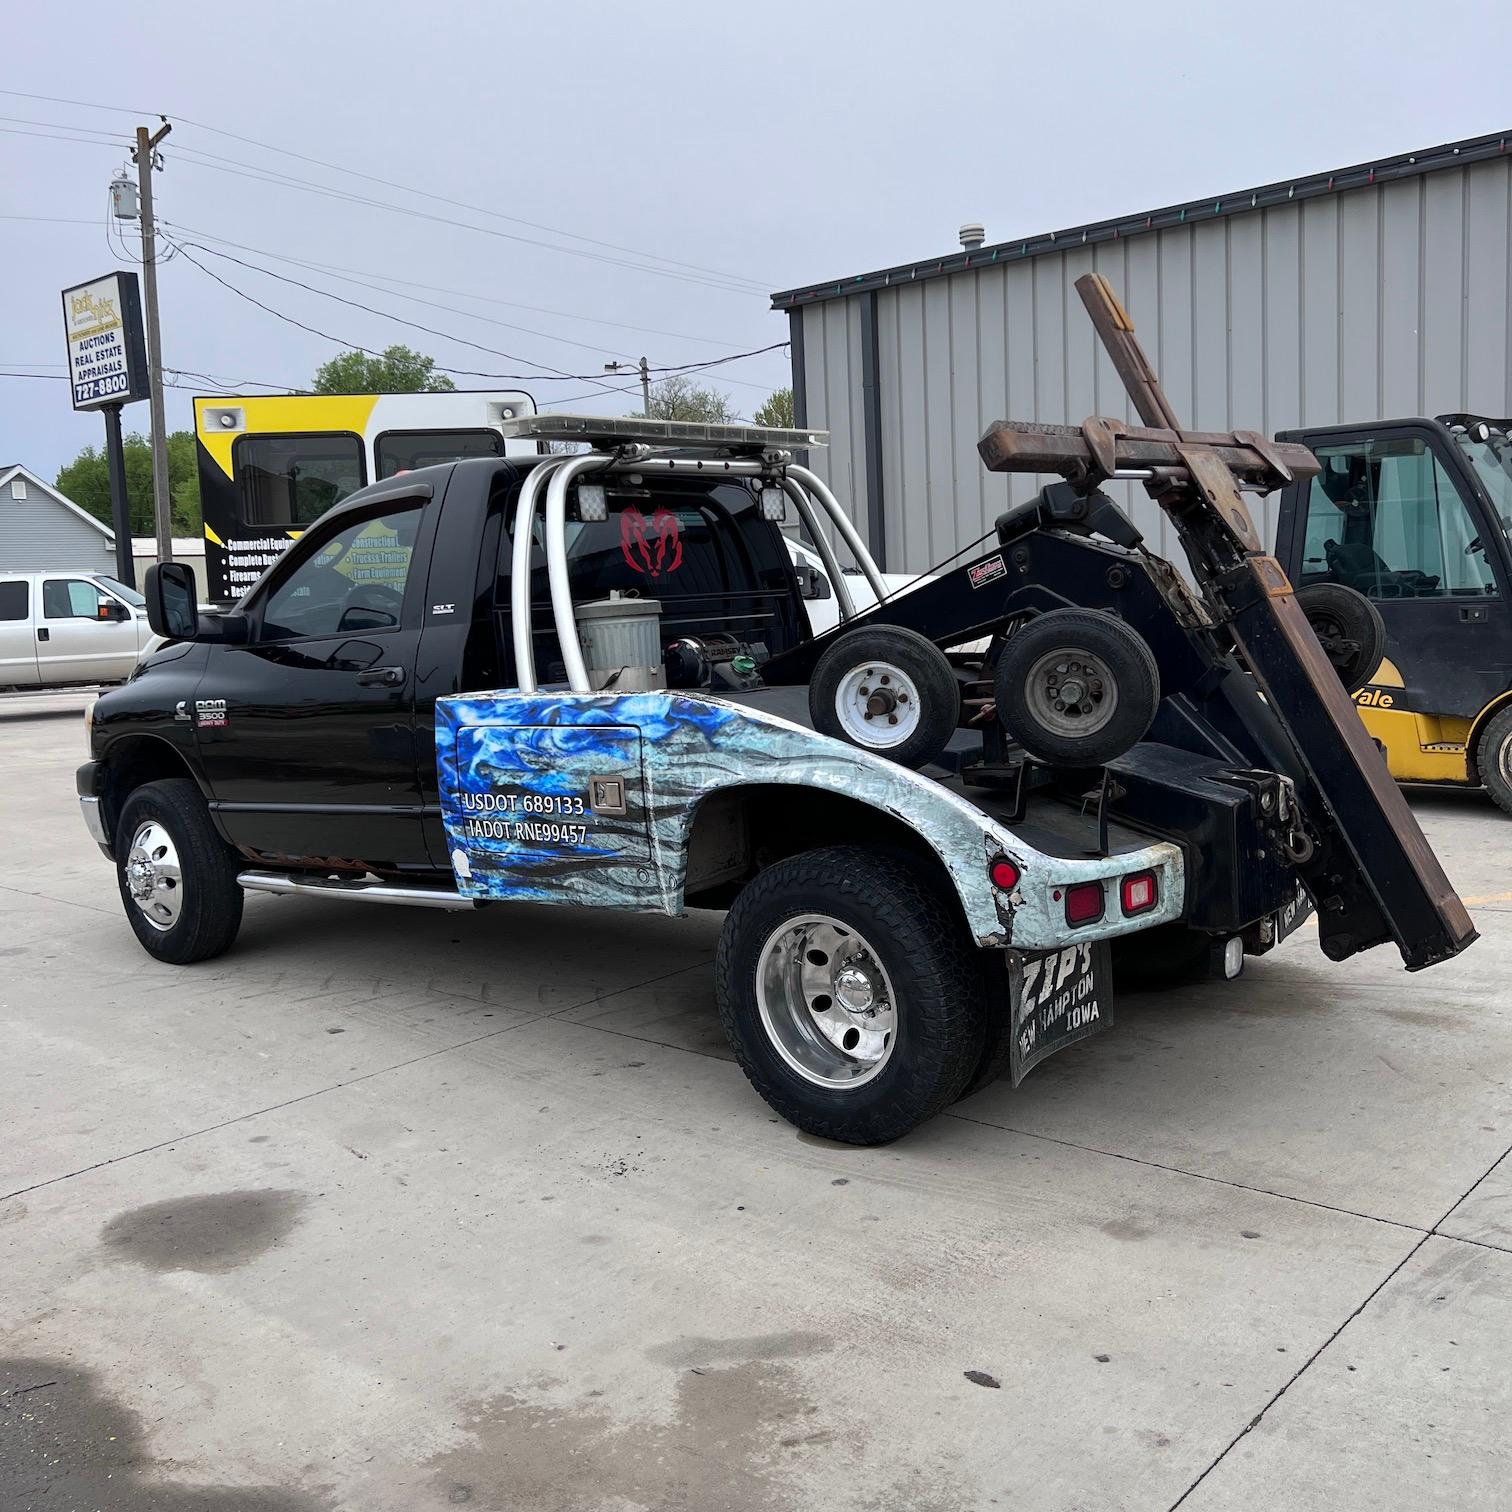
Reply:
x=43 y=635
x=381 y=677
x=1474 y=614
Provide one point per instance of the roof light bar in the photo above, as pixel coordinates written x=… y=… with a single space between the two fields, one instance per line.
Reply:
x=607 y=431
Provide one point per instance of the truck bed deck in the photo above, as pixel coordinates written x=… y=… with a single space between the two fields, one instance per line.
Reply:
x=1049 y=825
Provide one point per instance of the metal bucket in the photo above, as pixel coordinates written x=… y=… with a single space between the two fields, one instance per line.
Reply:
x=621 y=638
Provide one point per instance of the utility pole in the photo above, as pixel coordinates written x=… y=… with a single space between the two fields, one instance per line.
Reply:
x=144 y=155
x=645 y=378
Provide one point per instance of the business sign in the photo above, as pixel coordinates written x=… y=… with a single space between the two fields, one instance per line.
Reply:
x=107 y=358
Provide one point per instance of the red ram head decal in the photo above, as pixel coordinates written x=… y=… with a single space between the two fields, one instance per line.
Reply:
x=652 y=547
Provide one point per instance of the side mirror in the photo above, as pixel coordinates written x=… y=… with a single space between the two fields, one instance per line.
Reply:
x=812 y=584
x=172 y=605
x=111 y=609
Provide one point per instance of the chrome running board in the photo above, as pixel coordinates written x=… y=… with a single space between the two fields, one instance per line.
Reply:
x=363 y=890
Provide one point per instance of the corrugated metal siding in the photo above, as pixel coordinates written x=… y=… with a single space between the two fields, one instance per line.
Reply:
x=37 y=532
x=1383 y=301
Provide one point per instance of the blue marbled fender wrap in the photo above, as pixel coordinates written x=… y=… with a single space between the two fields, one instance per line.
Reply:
x=515 y=775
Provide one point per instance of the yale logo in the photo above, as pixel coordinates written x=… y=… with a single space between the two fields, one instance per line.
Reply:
x=1374 y=698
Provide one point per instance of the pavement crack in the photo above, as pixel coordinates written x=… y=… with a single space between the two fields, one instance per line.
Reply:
x=1158 y=1165
x=1433 y=1233
x=350 y=1081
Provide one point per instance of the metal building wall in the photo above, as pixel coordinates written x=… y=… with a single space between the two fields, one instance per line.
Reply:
x=1389 y=300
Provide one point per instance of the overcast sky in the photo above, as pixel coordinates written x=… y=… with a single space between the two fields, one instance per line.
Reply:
x=739 y=149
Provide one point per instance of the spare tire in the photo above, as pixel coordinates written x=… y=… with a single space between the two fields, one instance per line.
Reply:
x=887 y=690
x=1350 y=629
x=1076 y=687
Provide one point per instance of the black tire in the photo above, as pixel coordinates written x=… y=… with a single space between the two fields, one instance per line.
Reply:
x=910 y=669
x=202 y=912
x=901 y=922
x=1493 y=758
x=1109 y=665
x=1350 y=629
x=997 y=1029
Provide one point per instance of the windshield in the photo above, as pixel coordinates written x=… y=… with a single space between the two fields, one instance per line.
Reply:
x=120 y=590
x=1488 y=445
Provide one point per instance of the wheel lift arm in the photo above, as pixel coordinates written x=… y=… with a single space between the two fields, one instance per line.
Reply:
x=1374 y=876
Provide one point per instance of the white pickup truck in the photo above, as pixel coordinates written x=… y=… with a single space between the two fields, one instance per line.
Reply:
x=64 y=627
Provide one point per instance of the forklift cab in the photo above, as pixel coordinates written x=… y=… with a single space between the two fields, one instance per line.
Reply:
x=1417 y=515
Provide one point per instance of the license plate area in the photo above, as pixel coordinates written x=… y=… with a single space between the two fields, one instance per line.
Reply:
x=1057 y=998
x=1292 y=915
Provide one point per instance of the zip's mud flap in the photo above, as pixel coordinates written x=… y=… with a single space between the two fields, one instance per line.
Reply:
x=1056 y=997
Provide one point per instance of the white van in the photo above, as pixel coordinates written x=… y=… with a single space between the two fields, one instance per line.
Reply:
x=68 y=627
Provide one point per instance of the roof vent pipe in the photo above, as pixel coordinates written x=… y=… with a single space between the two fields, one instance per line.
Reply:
x=972 y=236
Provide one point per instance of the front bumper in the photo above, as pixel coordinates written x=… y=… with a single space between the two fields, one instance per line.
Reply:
x=85 y=783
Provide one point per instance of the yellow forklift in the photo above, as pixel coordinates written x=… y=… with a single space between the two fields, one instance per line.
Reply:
x=1416 y=516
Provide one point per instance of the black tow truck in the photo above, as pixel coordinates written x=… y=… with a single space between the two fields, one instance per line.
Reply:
x=938 y=829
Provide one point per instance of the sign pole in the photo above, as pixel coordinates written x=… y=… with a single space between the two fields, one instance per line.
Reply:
x=162 y=503
x=120 y=507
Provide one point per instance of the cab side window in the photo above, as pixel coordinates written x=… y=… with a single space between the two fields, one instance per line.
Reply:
x=70 y=598
x=353 y=582
x=1384 y=517
x=15 y=599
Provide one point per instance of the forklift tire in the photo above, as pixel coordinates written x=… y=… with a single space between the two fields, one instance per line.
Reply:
x=1076 y=688
x=850 y=993
x=1493 y=758
x=177 y=876
x=887 y=690
x=1350 y=628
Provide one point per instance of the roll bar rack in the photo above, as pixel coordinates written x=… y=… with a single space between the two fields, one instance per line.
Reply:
x=675 y=454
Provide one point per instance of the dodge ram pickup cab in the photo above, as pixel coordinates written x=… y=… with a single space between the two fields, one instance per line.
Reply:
x=591 y=680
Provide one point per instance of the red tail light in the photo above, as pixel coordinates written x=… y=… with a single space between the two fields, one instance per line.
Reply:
x=1004 y=874
x=1084 y=903
x=1138 y=893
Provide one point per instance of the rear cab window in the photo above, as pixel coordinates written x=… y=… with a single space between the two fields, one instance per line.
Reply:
x=704 y=552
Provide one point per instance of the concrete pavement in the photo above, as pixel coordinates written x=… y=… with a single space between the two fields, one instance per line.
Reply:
x=390 y=1209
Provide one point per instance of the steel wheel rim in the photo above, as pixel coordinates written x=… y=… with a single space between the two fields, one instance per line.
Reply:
x=826 y=1002
x=878 y=705
x=1504 y=760
x=1071 y=692
x=154 y=879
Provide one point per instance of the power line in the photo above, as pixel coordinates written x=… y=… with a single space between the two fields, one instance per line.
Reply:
x=457 y=204
x=755 y=285
x=52 y=136
x=356 y=275
x=286 y=181
x=550 y=376
x=21 y=94
x=378 y=288
x=466 y=314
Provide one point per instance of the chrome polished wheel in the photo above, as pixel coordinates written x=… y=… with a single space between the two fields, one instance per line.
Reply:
x=826 y=1002
x=1071 y=692
x=153 y=877
x=878 y=705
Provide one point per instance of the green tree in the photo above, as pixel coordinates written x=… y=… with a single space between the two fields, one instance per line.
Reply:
x=398 y=371
x=679 y=398
x=86 y=480
x=776 y=409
